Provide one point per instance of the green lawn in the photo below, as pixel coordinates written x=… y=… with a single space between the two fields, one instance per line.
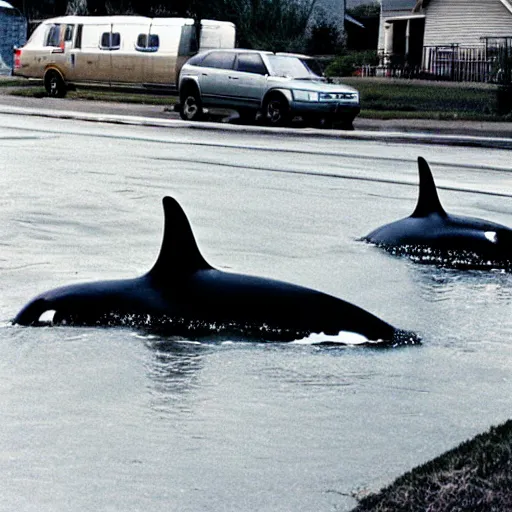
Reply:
x=475 y=476
x=389 y=99
x=97 y=94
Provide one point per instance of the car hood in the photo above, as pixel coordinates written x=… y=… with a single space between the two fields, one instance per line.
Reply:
x=309 y=85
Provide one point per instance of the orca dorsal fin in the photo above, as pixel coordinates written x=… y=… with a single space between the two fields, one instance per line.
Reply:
x=179 y=254
x=428 y=200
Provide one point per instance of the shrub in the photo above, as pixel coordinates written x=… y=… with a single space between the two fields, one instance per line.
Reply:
x=324 y=38
x=347 y=65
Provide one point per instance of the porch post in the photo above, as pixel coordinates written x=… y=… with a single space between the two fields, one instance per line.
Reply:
x=407 y=38
x=388 y=46
x=388 y=38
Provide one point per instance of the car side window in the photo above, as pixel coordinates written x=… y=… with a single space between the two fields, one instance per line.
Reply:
x=219 y=60
x=251 y=63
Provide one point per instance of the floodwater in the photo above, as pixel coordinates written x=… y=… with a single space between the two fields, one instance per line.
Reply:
x=114 y=419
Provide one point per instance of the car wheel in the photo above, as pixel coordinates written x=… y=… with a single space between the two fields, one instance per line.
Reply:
x=320 y=121
x=191 y=106
x=276 y=110
x=54 y=85
x=246 y=116
x=347 y=123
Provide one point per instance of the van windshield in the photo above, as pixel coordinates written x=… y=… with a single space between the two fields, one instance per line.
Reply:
x=290 y=67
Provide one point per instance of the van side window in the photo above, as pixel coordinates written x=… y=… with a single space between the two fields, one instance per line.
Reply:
x=147 y=43
x=68 y=35
x=53 y=38
x=251 y=63
x=219 y=60
x=188 y=41
x=78 y=40
x=110 y=41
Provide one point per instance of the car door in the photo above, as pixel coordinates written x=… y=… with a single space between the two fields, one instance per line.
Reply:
x=248 y=81
x=214 y=78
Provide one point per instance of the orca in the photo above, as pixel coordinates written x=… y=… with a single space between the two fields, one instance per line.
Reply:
x=184 y=295
x=430 y=235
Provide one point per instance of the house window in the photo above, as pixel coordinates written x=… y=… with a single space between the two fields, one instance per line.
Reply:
x=147 y=43
x=110 y=41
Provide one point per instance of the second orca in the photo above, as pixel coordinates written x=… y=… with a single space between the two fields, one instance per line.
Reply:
x=430 y=235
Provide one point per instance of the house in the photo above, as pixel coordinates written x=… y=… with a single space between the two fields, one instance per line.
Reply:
x=465 y=22
x=409 y=25
x=13 y=32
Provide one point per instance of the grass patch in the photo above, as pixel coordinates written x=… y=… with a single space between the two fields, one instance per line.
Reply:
x=475 y=476
x=436 y=116
x=392 y=99
x=141 y=98
x=15 y=82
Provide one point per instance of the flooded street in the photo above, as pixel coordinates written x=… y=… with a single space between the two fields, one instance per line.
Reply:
x=115 y=419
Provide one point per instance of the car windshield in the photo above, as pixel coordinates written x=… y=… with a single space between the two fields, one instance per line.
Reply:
x=290 y=67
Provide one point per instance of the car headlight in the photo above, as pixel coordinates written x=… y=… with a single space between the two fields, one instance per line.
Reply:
x=305 y=96
x=339 y=96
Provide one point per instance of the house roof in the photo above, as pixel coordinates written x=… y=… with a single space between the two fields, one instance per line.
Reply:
x=398 y=5
x=350 y=19
x=423 y=3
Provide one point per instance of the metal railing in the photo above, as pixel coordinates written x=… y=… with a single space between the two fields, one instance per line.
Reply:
x=489 y=62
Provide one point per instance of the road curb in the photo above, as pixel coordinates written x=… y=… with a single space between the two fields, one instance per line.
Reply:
x=409 y=137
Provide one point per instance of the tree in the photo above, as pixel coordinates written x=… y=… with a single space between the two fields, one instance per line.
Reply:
x=369 y=10
x=275 y=25
x=96 y=7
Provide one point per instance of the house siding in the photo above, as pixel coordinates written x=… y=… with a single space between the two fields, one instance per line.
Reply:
x=465 y=22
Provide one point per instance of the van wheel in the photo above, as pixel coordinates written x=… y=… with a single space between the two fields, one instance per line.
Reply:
x=191 y=106
x=54 y=85
x=276 y=110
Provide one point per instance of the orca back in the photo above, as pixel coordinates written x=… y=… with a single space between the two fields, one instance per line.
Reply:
x=179 y=253
x=428 y=199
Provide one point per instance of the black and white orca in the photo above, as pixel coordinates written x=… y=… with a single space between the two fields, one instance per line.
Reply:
x=431 y=235
x=184 y=295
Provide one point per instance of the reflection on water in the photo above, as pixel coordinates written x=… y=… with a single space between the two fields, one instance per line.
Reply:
x=172 y=370
x=446 y=258
x=442 y=283
x=439 y=284
x=460 y=305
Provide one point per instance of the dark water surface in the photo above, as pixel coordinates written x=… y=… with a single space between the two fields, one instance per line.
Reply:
x=113 y=419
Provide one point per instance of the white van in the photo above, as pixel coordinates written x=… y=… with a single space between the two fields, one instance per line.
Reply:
x=132 y=51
